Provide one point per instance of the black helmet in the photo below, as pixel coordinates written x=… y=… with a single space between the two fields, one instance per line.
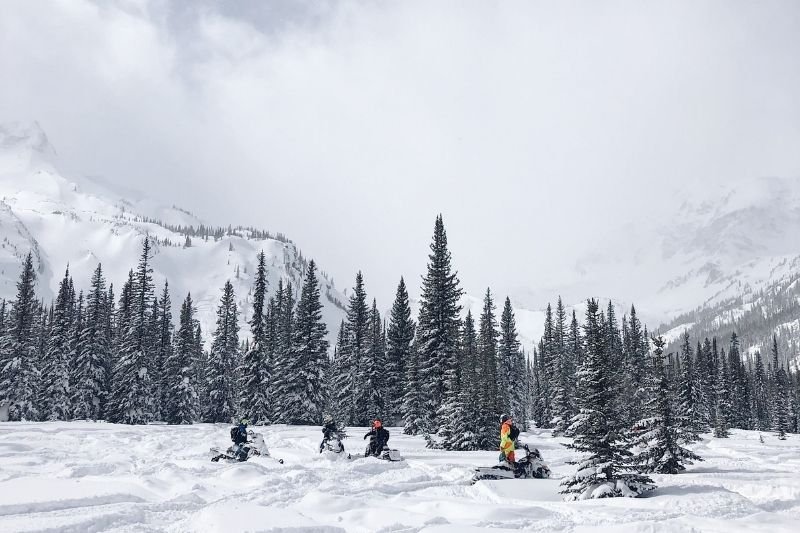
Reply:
x=503 y=418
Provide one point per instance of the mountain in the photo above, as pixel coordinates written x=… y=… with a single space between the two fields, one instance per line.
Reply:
x=81 y=222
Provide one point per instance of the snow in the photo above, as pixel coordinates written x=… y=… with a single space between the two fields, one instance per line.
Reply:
x=84 y=476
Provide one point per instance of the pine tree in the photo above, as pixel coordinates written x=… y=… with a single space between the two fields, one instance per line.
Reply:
x=563 y=372
x=688 y=398
x=89 y=389
x=56 y=365
x=399 y=335
x=19 y=372
x=604 y=471
x=488 y=396
x=468 y=418
x=306 y=396
x=181 y=400
x=133 y=381
x=413 y=415
x=508 y=348
x=282 y=379
x=348 y=390
x=780 y=398
x=438 y=324
x=222 y=361
x=658 y=435
x=722 y=402
x=255 y=372
x=163 y=348
x=371 y=401
x=761 y=406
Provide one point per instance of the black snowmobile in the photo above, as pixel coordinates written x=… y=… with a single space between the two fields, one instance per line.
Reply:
x=332 y=442
x=242 y=450
x=377 y=447
x=531 y=466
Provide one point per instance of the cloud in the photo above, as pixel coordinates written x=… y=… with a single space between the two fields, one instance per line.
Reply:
x=535 y=127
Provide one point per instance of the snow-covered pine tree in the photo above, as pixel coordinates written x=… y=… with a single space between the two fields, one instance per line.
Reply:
x=487 y=393
x=438 y=324
x=635 y=357
x=740 y=390
x=605 y=469
x=77 y=346
x=688 y=399
x=760 y=405
x=89 y=380
x=306 y=395
x=548 y=371
x=221 y=382
x=413 y=415
x=399 y=336
x=347 y=387
x=282 y=378
x=133 y=388
x=255 y=372
x=163 y=348
x=371 y=401
x=56 y=401
x=658 y=435
x=722 y=405
x=19 y=371
x=780 y=404
x=181 y=401
x=562 y=408
x=467 y=419
x=200 y=364
x=508 y=349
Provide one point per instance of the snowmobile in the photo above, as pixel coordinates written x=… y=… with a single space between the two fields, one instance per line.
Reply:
x=386 y=453
x=334 y=444
x=239 y=453
x=531 y=466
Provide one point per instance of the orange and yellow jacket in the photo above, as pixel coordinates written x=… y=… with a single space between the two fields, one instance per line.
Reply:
x=506 y=444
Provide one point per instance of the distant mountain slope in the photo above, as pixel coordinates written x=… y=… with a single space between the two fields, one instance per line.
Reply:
x=83 y=222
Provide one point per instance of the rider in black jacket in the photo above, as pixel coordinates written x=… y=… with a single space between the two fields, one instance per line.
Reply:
x=379 y=439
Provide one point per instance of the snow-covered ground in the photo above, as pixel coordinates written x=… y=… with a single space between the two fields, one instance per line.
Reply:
x=85 y=476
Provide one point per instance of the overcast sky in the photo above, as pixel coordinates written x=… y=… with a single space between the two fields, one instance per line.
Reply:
x=534 y=127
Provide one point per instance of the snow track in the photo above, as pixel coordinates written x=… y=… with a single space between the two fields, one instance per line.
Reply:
x=85 y=477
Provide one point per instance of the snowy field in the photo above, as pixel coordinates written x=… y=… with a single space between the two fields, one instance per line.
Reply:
x=101 y=477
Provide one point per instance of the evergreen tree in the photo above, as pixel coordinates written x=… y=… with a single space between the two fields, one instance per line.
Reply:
x=371 y=401
x=761 y=407
x=133 y=382
x=688 y=398
x=348 y=389
x=438 y=325
x=722 y=393
x=90 y=367
x=780 y=402
x=488 y=396
x=56 y=365
x=282 y=378
x=255 y=372
x=163 y=348
x=181 y=400
x=658 y=435
x=399 y=336
x=508 y=349
x=468 y=419
x=605 y=469
x=306 y=395
x=563 y=373
x=413 y=415
x=19 y=372
x=222 y=361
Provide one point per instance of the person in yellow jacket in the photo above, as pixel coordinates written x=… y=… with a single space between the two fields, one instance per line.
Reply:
x=508 y=435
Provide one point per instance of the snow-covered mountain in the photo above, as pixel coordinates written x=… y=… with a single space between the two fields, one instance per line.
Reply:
x=81 y=222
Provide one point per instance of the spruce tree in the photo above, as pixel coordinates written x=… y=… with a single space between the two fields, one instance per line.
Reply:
x=89 y=371
x=180 y=378
x=761 y=407
x=282 y=378
x=487 y=393
x=563 y=373
x=255 y=372
x=604 y=471
x=658 y=435
x=163 y=348
x=133 y=381
x=306 y=394
x=413 y=415
x=56 y=365
x=371 y=401
x=508 y=348
x=722 y=402
x=780 y=403
x=399 y=336
x=438 y=324
x=688 y=397
x=468 y=418
x=351 y=357
x=222 y=361
x=19 y=371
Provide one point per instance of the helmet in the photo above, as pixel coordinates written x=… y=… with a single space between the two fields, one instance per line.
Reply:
x=327 y=419
x=377 y=423
x=504 y=418
x=244 y=422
